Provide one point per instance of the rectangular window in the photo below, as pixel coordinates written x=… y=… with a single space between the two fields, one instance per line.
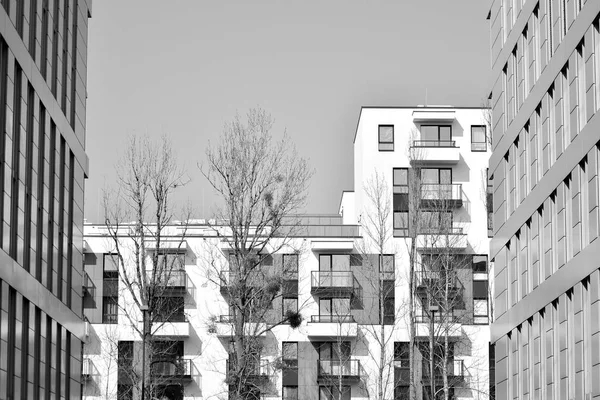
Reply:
x=401 y=354
x=110 y=297
x=386 y=137
x=289 y=354
x=435 y=136
x=436 y=176
x=386 y=263
x=290 y=266
x=400 y=201
x=334 y=393
x=480 y=264
x=290 y=393
x=290 y=305
x=169 y=309
x=478 y=138
x=400 y=223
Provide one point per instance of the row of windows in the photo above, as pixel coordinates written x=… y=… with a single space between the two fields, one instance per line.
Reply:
x=434 y=136
x=556 y=352
x=562 y=226
x=566 y=107
x=546 y=27
x=49 y=29
x=38 y=357
x=41 y=197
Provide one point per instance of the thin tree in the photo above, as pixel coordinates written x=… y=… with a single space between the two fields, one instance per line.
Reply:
x=138 y=215
x=378 y=254
x=262 y=184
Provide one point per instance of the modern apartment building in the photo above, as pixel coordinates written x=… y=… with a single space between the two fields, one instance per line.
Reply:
x=43 y=56
x=332 y=274
x=545 y=97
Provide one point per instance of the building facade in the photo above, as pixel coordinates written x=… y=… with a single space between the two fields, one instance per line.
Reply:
x=351 y=293
x=545 y=58
x=43 y=58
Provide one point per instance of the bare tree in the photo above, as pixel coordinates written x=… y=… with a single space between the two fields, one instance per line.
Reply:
x=139 y=217
x=262 y=184
x=378 y=254
x=487 y=117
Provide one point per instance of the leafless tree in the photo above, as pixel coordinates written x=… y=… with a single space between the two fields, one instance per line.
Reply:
x=262 y=184
x=487 y=117
x=139 y=218
x=378 y=254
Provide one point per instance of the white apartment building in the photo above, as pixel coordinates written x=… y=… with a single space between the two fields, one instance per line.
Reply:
x=335 y=282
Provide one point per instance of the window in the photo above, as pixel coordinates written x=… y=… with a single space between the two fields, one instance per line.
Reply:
x=290 y=393
x=169 y=309
x=436 y=176
x=110 y=297
x=289 y=354
x=125 y=356
x=334 y=310
x=290 y=266
x=386 y=263
x=436 y=222
x=435 y=136
x=386 y=137
x=478 y=138
x=110 y=310
x=333 y=393
x=111 y=262
x=480 y=302
x=400 y=200
x=290 y=304
x=401 y=354
x=480 y=264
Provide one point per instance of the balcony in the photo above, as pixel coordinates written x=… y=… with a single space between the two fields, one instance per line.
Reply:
x=333 y=370
x=224 y=327
x=334 y=283
x=455 y=370
x=433 y=284
x=89 y=289
x=332 y=326
x=228 y=279
x=176 y=371
x=434 y=152
x=441 y=196
x=174 y=282
x=87 y=368
x=260 y=371
x=175 y=326
x=447 y=325
x=434 y=240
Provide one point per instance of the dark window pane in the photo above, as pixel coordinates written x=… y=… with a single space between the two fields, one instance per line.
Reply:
x=480 y=263
x=480 y=290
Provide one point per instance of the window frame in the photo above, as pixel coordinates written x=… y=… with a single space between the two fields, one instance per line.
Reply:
x=439 y=140
x=284 y=309
x=288 y=273
x=483 y=148
x=385 y=145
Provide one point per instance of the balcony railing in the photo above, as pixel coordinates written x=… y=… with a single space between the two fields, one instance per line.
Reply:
x=87 y=368
x=449 y=192
x=88 y=286
x=176 y=368
x=434 y=143
x=454 y=369
x=261 y=369
x=176 y=316
x=478 y=146
x=175 y=279
x=434 y=279
x=437 y=318
x=328 y=281
x=441 y=230
x=338 y=368
x=332 y=318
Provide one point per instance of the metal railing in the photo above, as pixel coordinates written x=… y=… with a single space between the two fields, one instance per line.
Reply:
x=434 y=143
x=437 y=318
x=172 y=368
x=454 y=369
x=332 y=318
x=88 y=285
x=331 y=279
x=176 y=316
x=436 y=278
x=260 y=368
x=441 y=191
x=87 y=367
x=481 y=146
x=441 y=230
x=172 y=279
x=343 y=368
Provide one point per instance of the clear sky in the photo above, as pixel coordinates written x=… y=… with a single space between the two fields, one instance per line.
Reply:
x=184 y=68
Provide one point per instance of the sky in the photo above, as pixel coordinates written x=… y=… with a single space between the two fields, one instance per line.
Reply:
x=185 y=68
